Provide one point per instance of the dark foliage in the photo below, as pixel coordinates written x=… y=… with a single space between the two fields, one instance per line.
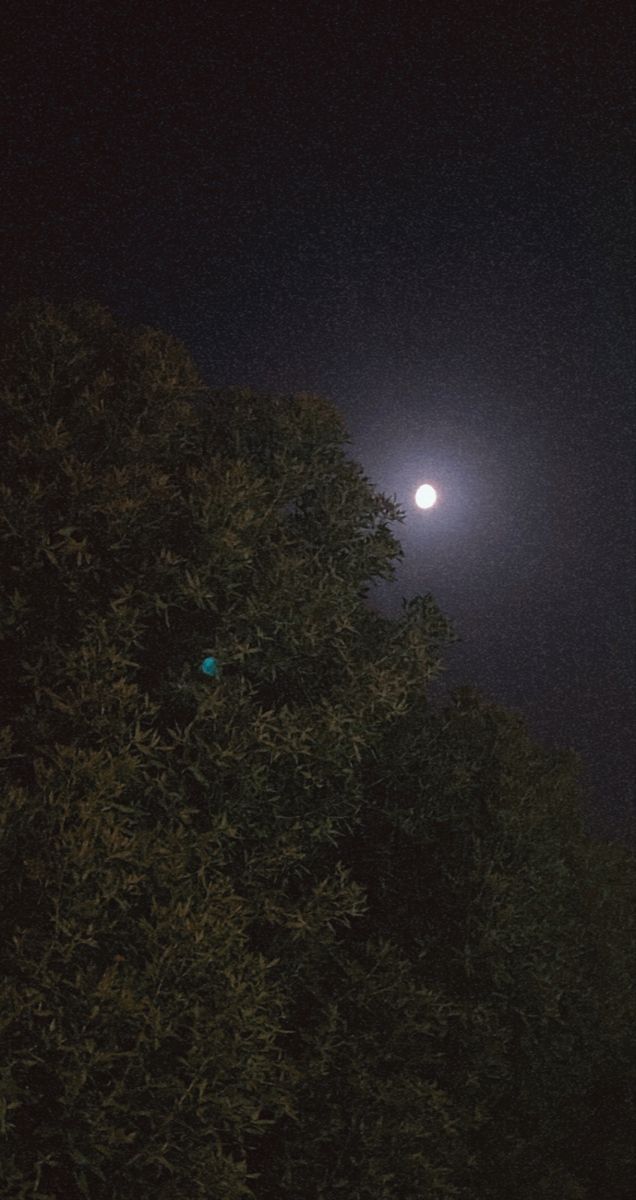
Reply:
x=291 y=931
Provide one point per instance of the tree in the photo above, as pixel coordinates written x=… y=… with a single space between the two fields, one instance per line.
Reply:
x=169 y=841
x=517 y=1011
x=287 y=930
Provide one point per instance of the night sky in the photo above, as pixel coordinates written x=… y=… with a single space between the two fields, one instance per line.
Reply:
x=423 y=212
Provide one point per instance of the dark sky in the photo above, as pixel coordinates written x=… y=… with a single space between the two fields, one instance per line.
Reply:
x=421 y=211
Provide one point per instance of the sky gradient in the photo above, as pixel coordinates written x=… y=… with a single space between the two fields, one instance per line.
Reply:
x=424 y=213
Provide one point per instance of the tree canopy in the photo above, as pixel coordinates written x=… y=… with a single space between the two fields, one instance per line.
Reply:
x=286 y=929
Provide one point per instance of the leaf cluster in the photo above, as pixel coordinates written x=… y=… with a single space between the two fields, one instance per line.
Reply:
x=292 y=930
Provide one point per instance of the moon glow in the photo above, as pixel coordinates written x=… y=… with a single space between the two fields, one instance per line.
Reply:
x=425 y=496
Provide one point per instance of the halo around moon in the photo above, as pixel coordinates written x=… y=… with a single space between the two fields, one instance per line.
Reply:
x=425 y=496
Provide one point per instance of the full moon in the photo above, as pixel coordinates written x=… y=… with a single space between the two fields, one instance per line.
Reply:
x=425 y=496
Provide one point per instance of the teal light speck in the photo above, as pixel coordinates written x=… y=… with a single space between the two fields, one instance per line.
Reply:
x=208 y=666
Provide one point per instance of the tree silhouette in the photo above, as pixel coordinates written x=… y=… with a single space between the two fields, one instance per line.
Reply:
x=282 y=928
